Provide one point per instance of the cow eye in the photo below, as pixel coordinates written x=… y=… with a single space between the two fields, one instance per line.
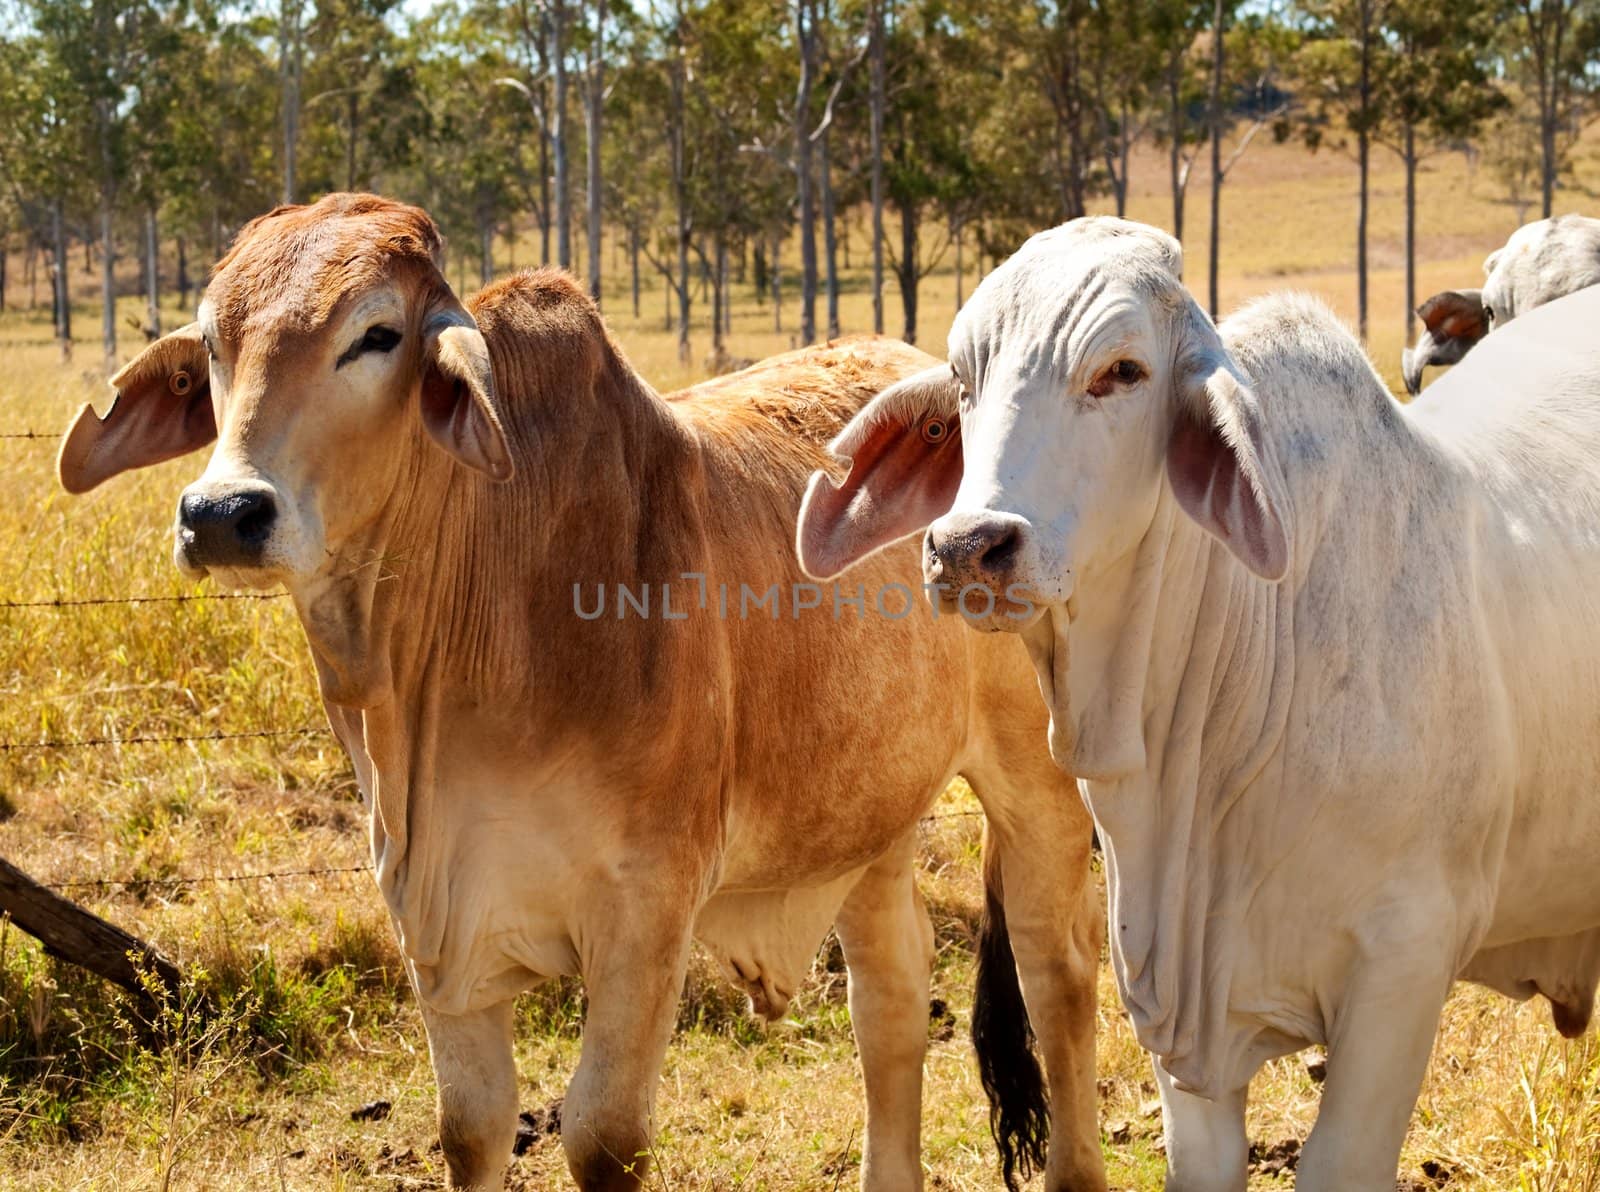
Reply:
x=1123 y=373
x=379 y=339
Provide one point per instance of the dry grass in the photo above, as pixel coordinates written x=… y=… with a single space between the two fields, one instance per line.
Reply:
x=319 y=1020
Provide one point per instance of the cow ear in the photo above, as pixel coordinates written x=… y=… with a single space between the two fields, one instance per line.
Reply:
x=1452 y=321
x=1218 y=462
x=1455 y=315
x=904 y=454
x=459 y=403
x=162 y=410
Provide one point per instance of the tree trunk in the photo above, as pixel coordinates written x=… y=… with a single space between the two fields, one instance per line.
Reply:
x=353 y=115
x=546 y=225
x=1364 y=164
x=183 y=275
x=558 y=54
x=485 y=248
x=908 y=271
x=633 y=261
x=775 y=276
x=877 y=103
x=1548 y=121
x=152 y=273
x=61 y=282
x=595 y=110
x=108 y=276
x=830 y=239
x=1175 y=132
x=1127 y=155
x=680 y=182
x=956 y=235
x=718 y=276
x=1219 y=14
x=290 y=60
x=108 y=247
x=1411 y=229
x=1546 y=26
x=806 y=38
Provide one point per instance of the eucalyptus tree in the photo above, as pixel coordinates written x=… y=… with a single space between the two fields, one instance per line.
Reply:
x=1435 y=83
x=100 y=55
x=1175 y=27
x=1553 y=48
x=929 y=155
x=470 y=161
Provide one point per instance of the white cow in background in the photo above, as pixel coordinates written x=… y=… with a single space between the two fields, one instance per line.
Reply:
x=1543 y=261
x=1328 y=667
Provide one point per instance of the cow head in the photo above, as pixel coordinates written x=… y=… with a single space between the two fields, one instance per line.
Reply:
x=1542 y=261
x=1083 y=383
x=327 y=338
x=1452 y=321
x=328 y=347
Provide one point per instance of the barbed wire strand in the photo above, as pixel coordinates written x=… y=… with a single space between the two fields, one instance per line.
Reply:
x=270 y=875
x=30 y=434
x=80 y=602
x=157 y=739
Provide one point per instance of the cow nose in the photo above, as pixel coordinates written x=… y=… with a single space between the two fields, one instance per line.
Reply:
x=967 y=550
x=229 y=527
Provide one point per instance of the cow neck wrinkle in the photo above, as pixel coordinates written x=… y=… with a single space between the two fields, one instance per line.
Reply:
x=1213 y=647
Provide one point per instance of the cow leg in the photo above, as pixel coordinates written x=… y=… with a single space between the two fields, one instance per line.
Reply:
x=888 y=946
x=1378 y=1047
x=634 y=951
x=1207 y=1147
x=1042 y=895
x=476 y=1073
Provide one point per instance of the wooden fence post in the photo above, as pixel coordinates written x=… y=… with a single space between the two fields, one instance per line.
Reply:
x=72 y=933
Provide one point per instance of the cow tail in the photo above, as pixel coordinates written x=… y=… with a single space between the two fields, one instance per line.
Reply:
x=1002 y=1036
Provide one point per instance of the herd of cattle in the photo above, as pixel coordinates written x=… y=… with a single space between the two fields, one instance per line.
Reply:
x=1321 y=669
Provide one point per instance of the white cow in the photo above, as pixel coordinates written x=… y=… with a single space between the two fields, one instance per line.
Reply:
x=1542 y=261
x=1328 y=667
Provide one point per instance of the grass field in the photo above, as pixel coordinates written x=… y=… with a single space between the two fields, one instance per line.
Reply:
x=314 y=1018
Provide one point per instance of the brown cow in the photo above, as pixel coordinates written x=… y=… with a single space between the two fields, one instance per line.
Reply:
x=447 y=495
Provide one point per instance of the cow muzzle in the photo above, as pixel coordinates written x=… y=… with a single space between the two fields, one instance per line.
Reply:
x=977 y=565
x=225 y=526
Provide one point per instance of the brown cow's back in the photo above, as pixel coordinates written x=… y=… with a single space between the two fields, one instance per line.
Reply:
x=707 y=483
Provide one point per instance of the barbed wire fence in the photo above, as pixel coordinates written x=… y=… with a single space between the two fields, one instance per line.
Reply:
x=44 y=909
x=69 y=930
x=48 y=744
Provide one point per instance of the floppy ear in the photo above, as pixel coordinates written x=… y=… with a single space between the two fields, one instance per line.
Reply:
x=1452 y=322
x=458 y=394
x=904 y=452
x=162 y=410
x=1217 y=459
